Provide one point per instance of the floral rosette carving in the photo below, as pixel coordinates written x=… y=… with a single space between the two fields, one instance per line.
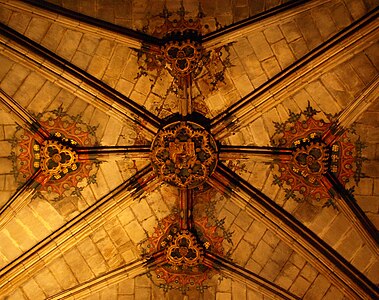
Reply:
x=184 y=154
x=316 y=150
x=182 y=266
x=62 y=172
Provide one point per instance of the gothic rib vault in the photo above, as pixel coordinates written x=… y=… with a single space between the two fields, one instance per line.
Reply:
x=189 y=149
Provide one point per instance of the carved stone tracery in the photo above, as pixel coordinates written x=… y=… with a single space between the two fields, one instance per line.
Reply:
x=184 y=154
x=57 y=159
x=310 y=161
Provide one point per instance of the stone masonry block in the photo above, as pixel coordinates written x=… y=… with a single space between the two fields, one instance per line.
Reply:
x=350 y=245
x=243 y=220
x=20 y=234
x=78 y=265
x=271 y=67
x=126 y=287
x=238 y=290
x=260 y=45
x=69 y=43
x=8 y=248
x=53 y=37
x=309 y=30
x=88 y=44
x=255 y=232
x=270 y=271
x=62 y=273
x=32 y=290
x=290 y=31
x=29 y=88
x=340 y=15
x=44 y=97
x=16 y=75
x=47 y=282
x=135 y=231
x=6 y=65
x=299 y=48
x=318 y=288
x=333 y=294
x=324 y=22
x=362 y=258
x=262 y=253
x=337 y=230
x=283 y=53
x=242 y=253
x=37 y=29
x=19 y=21
x=300 y=286
x=308 y=272
x=273 y=34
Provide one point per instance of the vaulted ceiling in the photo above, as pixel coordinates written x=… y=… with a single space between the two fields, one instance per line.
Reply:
x=222 y=149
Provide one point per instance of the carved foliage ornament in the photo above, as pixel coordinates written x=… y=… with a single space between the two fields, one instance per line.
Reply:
x=184 y=154
x=303 y=177
x=182 y=267
x=62 y=172
x=57 y=159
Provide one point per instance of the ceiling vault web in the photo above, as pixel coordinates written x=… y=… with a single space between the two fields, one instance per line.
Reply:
x=298 y=237
x=68 y=75
x=77 y=229
x=230 y=33
x=129 y=270
x=129 y=37
x=357 y=36
x=184 y=147
x=255 y=281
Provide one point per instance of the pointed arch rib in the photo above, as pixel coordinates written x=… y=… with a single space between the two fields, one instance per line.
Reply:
x=74 y=79
x=352 y=211
x=21 y=116
x=251 y=279
x=258 y=153
x=358 y=36
x=130 y=270
x=19 y=270
x=114 y=152
x=351 y=282
x=19 y=200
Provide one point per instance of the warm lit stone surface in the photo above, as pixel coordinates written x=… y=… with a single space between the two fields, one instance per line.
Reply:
x=184 y=154
x=108 y=239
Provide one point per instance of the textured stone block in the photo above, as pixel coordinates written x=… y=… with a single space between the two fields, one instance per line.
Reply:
x=44 y=97
x=260 y=45
x=318 y=288
x=32 y=290
x=309 y=30
x=37 y=29
x=47 y=282
x=62 y=273
x=262 y=253
x=19 y=21
x=135 y=232
x=283 y=53
x=290 y=31
x=300 y=286
x=11 y=82
x=273 y=34
x=53 y=36
x=255 y=232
